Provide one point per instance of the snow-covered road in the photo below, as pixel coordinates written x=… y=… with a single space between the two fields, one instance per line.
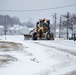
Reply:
x=41 y=57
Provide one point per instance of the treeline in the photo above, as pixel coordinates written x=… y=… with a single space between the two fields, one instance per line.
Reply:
x=68 y=20
x=10 y=21
x=28 y=24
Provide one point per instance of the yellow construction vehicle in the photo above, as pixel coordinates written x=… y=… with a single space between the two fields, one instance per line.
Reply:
x=42 y=30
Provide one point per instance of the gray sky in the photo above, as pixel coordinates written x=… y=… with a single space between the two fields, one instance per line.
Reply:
x=36 y=4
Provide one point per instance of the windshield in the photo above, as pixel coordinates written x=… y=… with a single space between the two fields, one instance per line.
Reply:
x=44 y=24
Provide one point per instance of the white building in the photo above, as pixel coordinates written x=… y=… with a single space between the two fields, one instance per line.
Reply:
x=15 y=30
x=1 y=30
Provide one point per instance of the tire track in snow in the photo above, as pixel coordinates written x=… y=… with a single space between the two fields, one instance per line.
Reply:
x=60 y=49
x=59 y=66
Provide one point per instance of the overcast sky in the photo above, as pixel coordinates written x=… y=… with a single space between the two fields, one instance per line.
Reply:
x=36 y=4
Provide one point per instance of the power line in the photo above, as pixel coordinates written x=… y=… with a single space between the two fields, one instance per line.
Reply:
x=39 y=9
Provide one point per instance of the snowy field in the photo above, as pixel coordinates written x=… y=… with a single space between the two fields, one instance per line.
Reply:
x=41 y=57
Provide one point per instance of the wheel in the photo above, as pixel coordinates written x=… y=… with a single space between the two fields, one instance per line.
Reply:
x=52 y=36
x=40 y=34
x=48 y=36
x=34 y=36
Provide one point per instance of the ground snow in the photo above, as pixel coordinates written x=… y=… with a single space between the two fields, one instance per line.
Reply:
x=41 y=57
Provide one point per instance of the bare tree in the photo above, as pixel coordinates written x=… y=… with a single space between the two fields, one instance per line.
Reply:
x=71 y=20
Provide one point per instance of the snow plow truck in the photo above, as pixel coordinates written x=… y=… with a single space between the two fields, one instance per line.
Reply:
x=42 y=31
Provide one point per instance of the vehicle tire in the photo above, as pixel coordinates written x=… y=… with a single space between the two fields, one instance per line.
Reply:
x=52 y=36
x=40 y=34
x=48 y=36
x=34 y=36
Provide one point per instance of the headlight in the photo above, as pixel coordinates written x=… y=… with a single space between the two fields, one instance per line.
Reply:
x=45 y=21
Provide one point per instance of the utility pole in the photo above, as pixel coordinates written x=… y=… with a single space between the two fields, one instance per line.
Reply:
x=55 y=20
x=5 y=26
x=60 y=26
x=53 y=26
x=67 y=23
x=67 y=17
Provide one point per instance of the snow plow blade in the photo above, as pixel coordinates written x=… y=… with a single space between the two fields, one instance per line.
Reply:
x=27 y=36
